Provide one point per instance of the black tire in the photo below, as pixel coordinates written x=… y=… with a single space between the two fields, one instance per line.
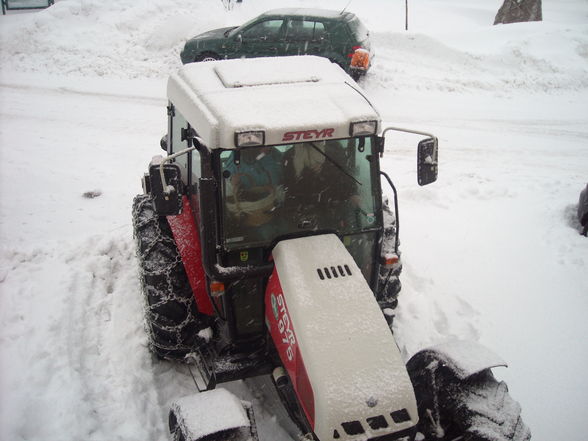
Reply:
x=207 y=56
x=356 y=75
x=174 y=429
x=478 y=408
x=171 y=317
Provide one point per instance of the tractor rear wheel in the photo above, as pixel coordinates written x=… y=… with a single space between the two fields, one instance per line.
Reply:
x=172 y=320
x=477 y=408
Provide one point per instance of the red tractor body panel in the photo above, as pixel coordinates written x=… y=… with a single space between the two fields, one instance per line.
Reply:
x=284 y=338
x=187 y=239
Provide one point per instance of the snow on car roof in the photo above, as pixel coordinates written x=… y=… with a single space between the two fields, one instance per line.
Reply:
x=276 y=95
x=307 y=12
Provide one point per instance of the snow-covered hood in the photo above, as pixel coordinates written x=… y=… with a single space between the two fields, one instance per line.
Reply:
x=338 y=337
x=214 y=34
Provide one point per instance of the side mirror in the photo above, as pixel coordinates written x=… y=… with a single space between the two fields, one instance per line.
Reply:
x=427 y=161
x=166 y=204
x=239 y=39
x=163 y=143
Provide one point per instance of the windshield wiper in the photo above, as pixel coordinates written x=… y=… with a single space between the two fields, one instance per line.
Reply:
x=332 y=161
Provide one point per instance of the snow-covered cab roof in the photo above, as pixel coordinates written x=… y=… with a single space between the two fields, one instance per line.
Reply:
x=287 y=99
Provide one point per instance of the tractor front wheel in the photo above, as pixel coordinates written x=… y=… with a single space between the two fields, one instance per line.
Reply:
x=477 y=408
x=172 y=320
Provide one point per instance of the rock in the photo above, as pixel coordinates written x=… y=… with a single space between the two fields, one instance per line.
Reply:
x=516 y=11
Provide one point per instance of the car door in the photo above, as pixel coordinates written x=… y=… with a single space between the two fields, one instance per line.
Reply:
x=303 y=37
x=261 y=39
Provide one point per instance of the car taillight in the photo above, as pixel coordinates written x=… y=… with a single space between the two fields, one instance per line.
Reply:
x=354 y=48
x=360 y=59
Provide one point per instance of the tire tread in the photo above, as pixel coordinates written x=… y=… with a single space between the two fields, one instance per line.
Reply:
x=479 y=408
x=171 y=316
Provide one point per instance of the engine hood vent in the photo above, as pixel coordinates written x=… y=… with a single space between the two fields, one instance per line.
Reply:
x=335 y=271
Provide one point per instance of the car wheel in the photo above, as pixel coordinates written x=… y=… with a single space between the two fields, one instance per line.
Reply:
x=356 y=75
x=207 y=56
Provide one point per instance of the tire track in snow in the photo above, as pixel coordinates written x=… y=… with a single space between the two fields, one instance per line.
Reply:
x=65 y=90
x=72 y=347
x=106 y=345
x=423 y=311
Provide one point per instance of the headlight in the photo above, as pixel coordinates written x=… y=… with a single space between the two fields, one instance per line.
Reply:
x=363 y=128
x=247 y=139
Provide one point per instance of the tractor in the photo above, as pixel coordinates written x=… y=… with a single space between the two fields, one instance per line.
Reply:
x=266 y=247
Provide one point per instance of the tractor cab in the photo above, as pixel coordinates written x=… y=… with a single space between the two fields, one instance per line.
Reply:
x=263 y=150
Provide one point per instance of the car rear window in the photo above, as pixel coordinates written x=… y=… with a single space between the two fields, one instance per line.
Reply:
x=359 y=30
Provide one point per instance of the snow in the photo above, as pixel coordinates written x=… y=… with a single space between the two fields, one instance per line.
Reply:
x=219 y=96
x=465 y=357
x=192 y=412
x=491 y=252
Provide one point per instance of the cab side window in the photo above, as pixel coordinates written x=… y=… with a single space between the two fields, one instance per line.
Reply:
x=196 y=168
x=178 y=123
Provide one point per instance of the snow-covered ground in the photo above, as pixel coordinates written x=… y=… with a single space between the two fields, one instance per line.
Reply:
x=491 y=251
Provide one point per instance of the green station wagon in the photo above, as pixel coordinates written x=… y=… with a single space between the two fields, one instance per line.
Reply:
x=338 y=36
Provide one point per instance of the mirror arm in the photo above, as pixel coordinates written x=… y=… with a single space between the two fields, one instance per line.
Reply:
x=168 y=189
x=416 y=132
